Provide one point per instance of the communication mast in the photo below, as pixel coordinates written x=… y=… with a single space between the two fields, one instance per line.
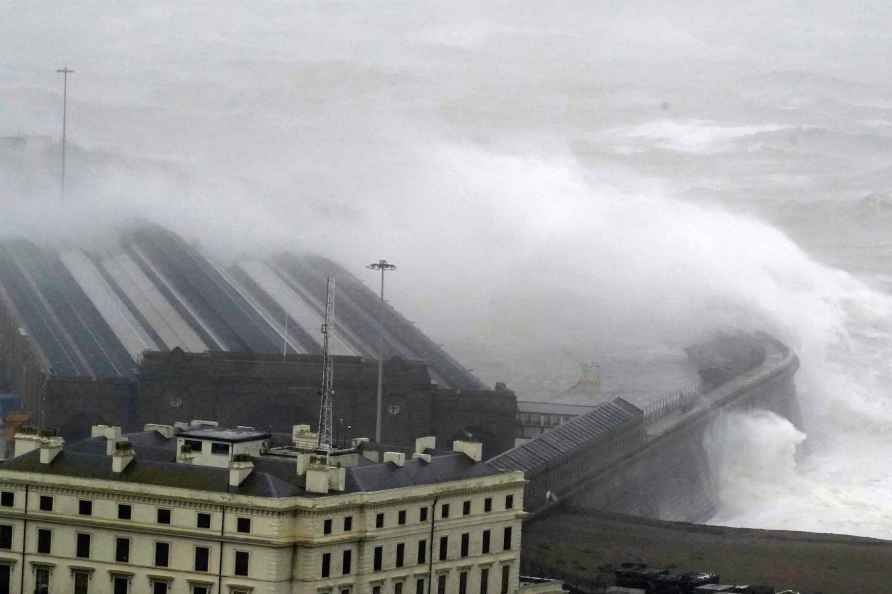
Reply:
x=327 y=392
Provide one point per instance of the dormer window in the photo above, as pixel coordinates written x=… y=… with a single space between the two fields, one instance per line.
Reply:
x=219 y=446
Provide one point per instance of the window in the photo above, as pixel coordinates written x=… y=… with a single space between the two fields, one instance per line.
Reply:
x=379 y=556
x=44 y=541
x=5 y=537
x=346 y=561
x=326 y=564
x=203 y=520
x=463 y=583
x=485 y=546
x=200 y=590
x=164 y=516
x=444 y=547
x=159 y=587
x=202 y=554
x=83 y=546
x=192 y=445
x=41 y=580
x=46 y=503
x=162 y=554
x=398 y=588
x=125 y=512
x=241 y=563
x=219 y=449
x=122 y=550
x=122 y=584
x=422 y=552
x=243 y=525
x=80 y=582
x=487 y=504
x=441 y=584
x=419 y=586
x=506 y=576
x=400 y=554
x=444 y=511
x=465 y=544
x=509 y=501
x=85 y=507
x=7 y=498
x=379 y=521
x=401 y=517
x=507 y=538
x=348 y=523
x=376 y=589
x=422 y=514
x=326 y=526
x=466 y=508
x=484 y=580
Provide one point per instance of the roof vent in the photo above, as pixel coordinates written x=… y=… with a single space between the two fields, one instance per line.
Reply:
x=472 y=449
x=423 y=444
x=196 y=423
x=166 y=431
x=397 y=458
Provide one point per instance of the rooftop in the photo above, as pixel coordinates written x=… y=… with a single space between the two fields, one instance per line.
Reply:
x=236 y=435
x=273 y=476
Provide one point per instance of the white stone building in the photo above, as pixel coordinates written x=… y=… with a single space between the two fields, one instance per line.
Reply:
x=204 y=510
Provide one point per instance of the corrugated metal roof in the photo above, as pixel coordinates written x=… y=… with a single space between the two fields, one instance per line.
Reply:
x=567 y=439
x=92 y=314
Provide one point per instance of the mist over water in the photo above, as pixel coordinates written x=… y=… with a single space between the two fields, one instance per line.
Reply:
x=595 y=182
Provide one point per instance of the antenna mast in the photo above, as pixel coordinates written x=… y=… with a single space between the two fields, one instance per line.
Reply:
x=327 y=393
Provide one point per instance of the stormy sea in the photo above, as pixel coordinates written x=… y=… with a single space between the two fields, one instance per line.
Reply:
x=556 y=186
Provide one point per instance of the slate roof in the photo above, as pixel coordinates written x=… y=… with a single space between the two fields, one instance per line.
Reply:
x=273 y=476
x=565 y=440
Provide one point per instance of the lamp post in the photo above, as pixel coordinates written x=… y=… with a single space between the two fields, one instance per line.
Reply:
x=383 y=266
x=64 y=72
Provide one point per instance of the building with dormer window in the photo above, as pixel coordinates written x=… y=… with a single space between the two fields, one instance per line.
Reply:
x=199 y=509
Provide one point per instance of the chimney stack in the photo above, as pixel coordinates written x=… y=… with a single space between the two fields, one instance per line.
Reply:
x=110 y=433
x=472 y=449
x=428 y=442
x=27 y=439
x=397 y=458
x=239 y=470
x=50 y=448
x=122 y=455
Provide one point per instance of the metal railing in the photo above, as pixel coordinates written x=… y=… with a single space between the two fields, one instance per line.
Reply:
x=681 y=401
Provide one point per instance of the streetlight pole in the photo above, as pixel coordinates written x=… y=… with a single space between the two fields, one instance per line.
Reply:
x=383 y=266
x=64 y=72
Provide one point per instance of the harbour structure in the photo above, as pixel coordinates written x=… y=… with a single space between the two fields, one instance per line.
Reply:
x=652 y=461
x=110 y=333
x=201 y=509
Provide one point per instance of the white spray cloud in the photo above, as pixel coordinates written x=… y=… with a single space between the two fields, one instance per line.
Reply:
x=457 y=141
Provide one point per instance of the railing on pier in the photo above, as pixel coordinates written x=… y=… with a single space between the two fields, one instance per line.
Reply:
x=681 y=401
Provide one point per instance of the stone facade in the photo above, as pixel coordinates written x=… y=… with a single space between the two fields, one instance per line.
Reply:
x=81 y=535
